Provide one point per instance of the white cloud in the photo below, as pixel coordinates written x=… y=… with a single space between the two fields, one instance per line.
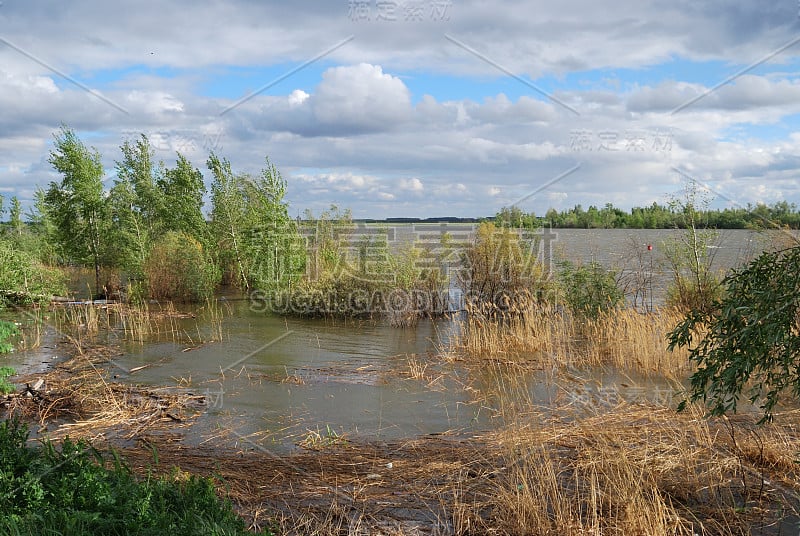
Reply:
x=364 y=134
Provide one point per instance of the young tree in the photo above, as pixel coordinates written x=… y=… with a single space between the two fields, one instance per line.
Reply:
x=129 y=230
x=250 y=223
x=273 y=242
x=15 y=216
x=76 y=204
x=182 y=189
x=138 y=169
x=694 y=285
x=228 y=218
x=750 y=339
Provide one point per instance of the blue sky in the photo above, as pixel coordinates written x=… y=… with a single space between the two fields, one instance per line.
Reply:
x=414 y=118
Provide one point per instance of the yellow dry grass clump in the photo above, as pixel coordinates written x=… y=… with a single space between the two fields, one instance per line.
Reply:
x=623 y=338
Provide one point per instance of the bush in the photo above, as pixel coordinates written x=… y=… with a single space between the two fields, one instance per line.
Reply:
x=589 y=289
x=502 y=274
x=748 y=340
x=23 y=280
x=362 y=279
x=71 y=492
x=177 y=268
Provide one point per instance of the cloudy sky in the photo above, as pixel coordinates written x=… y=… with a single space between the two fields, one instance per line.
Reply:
x=419 y=108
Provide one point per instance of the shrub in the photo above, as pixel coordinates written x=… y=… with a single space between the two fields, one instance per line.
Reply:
x=502 y=274
x=6 y=387
x=589 y=289
x=23 y=280
x=7 y=330
x=749 y=339
x=346 y=278
x=177 y=268
x=72 y=492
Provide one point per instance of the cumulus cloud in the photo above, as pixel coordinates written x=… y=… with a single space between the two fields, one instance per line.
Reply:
x=361 y=98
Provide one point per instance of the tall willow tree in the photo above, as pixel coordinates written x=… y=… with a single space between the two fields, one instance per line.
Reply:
x=76 y=204
x=149 y=200
x=228 y=221
x=257 y=240
x=136 y=205
x=182 y=190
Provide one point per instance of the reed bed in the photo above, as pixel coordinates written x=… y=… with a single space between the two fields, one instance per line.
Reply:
x=623 y=338
x=628 y=339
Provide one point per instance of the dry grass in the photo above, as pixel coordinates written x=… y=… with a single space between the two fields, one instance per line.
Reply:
x=640 y=470
x=631 y=340
x=80 y=400
x=624 y=338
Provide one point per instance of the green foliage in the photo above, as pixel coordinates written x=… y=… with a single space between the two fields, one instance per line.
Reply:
x=7 y=330
x=514 y=217
x=5 y=373
x=589 y=289
x=76 y=205
x=183 y=189
x=15 y=217
x=352 y=278
x=750 y=339
x=257 y=242
x=24 y=280
x=178 y=268
x=78 y=490
x=655 y=216
x=138 y=171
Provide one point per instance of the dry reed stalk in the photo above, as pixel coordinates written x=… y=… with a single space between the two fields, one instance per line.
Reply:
x=83 y=403
x=631 y=340
x=623 y=338
x=417 y=368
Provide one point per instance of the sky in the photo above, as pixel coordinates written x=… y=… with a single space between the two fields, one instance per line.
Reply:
x=418 y=108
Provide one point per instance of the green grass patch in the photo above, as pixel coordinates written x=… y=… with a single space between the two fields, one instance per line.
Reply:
x=77 y=490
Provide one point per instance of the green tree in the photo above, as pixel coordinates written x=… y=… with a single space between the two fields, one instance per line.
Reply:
x=138 y=169
x=273 y=242
x=182 y=190
x=15 y=216
x=256 y=239
x=130 y=233
x=44 y=230
x=750 y=339
x=76 y=204
x=228 y=219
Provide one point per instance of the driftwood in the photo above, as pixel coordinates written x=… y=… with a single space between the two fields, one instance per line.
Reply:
x=20 y=296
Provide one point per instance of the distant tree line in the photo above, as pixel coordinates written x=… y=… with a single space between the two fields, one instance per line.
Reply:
x=656 y=216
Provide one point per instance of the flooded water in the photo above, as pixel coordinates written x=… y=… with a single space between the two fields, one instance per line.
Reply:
x=285 y=380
